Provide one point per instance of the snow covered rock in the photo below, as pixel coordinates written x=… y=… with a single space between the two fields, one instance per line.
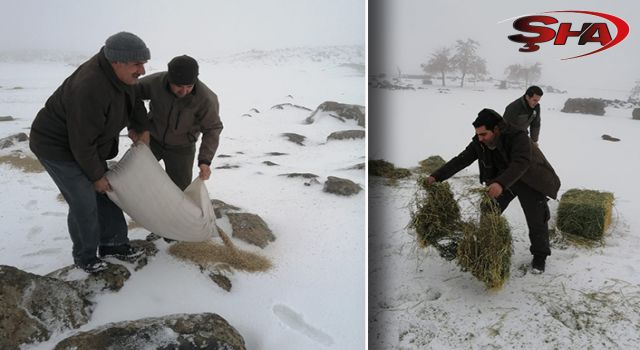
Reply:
x=88 y=285
x=251 y=229
x=346 y=134
x=341 y=186
x=35 y=306
x=636 y=114
x=295 y=138
x=220 y=208
x=593 y=106
x=111 y=279
x=10 y=140
x=340 y=111
x=6 y=118
x=181 y=331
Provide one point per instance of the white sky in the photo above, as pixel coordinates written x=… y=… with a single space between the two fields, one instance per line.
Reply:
x=201 y=27
x=404 y=33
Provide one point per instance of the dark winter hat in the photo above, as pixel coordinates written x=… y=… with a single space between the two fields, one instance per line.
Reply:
x=487 y=117
x=126 y=47
x=183 y=70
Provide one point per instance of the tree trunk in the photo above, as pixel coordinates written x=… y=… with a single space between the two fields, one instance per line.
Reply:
x=462 y=80
x=442 y=79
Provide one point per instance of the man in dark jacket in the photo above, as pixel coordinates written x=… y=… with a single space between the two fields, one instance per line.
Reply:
x=78 y=130
x=181 y=108
x=524 y=113
x=511 y=166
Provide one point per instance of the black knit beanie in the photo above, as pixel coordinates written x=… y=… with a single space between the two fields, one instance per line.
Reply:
x=487 y=117
x=183 y=70
x=125 y=47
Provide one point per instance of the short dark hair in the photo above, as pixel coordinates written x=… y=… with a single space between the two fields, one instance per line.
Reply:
x=487 y=118
x=534 y=90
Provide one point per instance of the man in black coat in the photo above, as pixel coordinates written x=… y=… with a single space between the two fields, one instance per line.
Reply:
x=524 y=113
x=511 y=165
x=78 y=130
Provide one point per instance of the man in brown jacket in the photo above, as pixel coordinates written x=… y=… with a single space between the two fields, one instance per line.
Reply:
x=78 y=130
x=511 y=166
x=181 y=108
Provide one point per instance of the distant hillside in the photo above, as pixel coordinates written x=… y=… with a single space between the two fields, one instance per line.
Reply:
x=347 y=56
x=352 y=56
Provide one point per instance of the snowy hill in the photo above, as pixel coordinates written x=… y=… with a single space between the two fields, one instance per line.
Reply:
x=587 y=298
x=312 y=298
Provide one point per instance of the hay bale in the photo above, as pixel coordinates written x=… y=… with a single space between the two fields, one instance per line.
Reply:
x=380 y=167
x=431 y=164
x=209 y=254
x=485 y=249
x=436 y=218
x=585 y=213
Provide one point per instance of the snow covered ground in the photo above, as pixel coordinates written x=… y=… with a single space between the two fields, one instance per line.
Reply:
x=586 y=299
x=313 y=297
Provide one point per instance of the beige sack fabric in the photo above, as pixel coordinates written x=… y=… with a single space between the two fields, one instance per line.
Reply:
x=142 y=189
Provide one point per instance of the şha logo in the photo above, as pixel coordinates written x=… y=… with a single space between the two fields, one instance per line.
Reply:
x=589 y=32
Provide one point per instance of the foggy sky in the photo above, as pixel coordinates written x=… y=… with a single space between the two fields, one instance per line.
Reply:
x=404 y=33
x=212 y=28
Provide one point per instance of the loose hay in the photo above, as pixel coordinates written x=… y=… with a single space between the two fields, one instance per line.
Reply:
x=26 y=164
x=585 y=213
x=485 y=250
x=436 y=218
x=209 y=254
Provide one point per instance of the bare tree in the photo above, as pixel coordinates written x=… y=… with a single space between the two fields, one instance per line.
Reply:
x=466 y=59
x=635 y=93
x=478 y=68
x=528 y=74
x=439 y=63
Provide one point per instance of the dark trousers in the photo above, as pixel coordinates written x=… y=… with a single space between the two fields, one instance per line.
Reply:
x=93 y=218
x=178 y=161
x=536 y=211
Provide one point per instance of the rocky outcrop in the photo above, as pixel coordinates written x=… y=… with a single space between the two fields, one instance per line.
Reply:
x=341 y=186
x=340 y=111
x=33 y=307
x=302 y=175
x=182 y=331
x=290 y=105
x=346 y=134
x=88 y=285
x=635 y=114
x=593 y=106
x=610 y=138
x=11 y=140
x=221 y=208
x=251 y=229
x=295 y=138
x=111 y=280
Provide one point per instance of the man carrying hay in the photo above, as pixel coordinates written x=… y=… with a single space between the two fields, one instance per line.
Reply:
x=511 y=165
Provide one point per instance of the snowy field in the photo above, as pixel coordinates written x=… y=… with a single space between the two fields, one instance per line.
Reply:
x=588 y=298
x=313 y=297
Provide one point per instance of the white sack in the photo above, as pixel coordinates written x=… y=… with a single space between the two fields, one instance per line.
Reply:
x=142 y=189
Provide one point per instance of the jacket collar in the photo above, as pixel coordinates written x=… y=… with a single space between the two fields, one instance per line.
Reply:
x=525 y=104
x=106 y=67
